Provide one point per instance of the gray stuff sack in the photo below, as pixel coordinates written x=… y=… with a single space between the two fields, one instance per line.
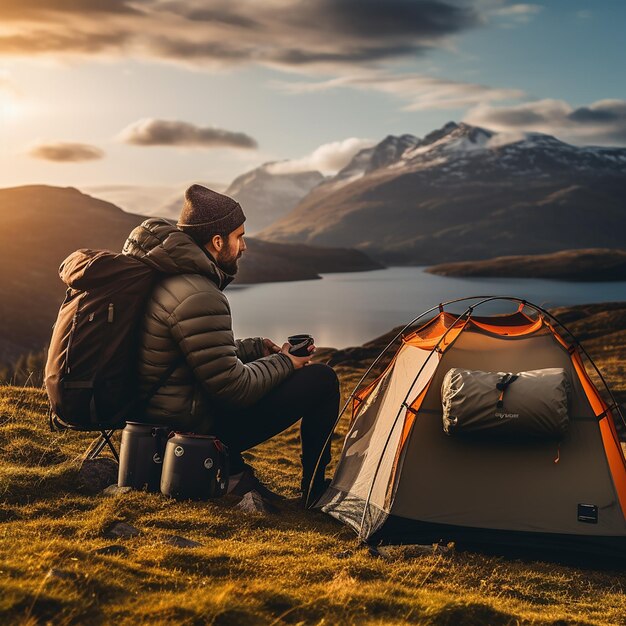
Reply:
x=533 y=403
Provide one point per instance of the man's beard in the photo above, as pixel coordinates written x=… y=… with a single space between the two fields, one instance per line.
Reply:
x=228 y=261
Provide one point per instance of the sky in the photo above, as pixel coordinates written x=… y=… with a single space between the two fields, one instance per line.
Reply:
x=156 y=94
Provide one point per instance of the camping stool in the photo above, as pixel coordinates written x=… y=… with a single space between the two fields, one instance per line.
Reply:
x=97 y=446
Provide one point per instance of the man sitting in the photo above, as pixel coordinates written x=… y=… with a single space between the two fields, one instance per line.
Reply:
x=242 y=391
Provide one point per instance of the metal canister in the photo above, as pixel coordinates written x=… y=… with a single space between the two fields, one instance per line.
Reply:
x=141 y=456
x=195 y=467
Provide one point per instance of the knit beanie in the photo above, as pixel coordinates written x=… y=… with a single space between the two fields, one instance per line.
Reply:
x=206 y=213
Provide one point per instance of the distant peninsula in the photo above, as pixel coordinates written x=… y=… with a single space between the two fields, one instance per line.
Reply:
x=585 y=265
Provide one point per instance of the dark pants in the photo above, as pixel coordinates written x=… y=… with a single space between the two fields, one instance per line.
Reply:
x=310 y=393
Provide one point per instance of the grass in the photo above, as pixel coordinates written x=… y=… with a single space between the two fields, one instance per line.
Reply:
x=293 y=567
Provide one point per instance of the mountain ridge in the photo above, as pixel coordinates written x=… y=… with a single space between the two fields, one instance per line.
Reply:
x=454 y=195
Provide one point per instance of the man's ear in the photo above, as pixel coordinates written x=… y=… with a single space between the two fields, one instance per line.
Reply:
x=217 y=241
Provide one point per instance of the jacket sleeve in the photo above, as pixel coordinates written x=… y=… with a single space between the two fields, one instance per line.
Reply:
x=201 y=325
x=249 y=349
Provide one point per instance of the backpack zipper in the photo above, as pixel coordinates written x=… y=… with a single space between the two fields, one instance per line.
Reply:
x=111 y=313
x=69 y=343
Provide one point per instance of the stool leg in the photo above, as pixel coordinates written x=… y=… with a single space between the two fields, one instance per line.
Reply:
x=101 y=442
x=107 y=436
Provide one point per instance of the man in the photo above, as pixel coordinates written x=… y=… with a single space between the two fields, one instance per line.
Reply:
x=242 y=391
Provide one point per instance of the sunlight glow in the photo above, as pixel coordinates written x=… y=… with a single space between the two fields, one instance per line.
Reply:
x=10 y=109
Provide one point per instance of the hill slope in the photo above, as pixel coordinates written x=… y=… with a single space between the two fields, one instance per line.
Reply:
x=463 y=193
x=292 y=567
x=42 y=225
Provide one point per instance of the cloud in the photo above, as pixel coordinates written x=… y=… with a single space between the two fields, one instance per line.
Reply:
x=602 y=122
x=283 y=33
x=61 y=152
x=328 y=158
x=152 y=132
x=419 y=91
x=44 y=9
x=518 y=10
x=70 y=42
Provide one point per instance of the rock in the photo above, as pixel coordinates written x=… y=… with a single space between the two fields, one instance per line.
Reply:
x=114 y=490
x=112 y=550
x=55 y=572
x=344 y=554
x=252 y=502
x=181 y=542
x=121 y=530
x=96 y=474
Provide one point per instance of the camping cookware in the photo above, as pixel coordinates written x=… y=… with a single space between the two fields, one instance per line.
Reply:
x=195 y=467
x=141 y=456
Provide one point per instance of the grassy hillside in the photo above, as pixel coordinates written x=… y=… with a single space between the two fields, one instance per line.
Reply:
x=291 y=567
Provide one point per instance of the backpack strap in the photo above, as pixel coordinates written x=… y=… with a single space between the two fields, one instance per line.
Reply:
x=159 y=383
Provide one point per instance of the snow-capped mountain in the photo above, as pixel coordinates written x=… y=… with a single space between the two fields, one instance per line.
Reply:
x=267 y=196
x=460 y=149
x=464 y=192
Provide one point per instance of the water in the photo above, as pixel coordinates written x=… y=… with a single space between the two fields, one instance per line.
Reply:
x=349 y=309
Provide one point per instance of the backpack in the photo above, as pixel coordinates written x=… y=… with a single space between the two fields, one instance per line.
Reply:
x=91 y=369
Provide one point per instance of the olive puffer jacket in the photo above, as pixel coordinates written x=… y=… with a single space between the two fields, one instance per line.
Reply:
x=188 y=318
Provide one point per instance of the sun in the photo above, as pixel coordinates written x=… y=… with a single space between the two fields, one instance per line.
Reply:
x=10 y=108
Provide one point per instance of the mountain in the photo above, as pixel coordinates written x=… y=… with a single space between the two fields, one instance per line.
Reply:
x=154 y=201
x=41 y=225
x=267 y=196
x=464 y=193
x=592 y=265
x=383 y=154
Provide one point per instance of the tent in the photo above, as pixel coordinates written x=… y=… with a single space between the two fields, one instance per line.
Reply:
x=401 y=479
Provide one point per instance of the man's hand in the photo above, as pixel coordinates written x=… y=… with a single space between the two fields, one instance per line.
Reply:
x=298 y=361
x=269 y=347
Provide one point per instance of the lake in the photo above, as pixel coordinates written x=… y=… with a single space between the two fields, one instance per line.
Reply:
x=349 y=309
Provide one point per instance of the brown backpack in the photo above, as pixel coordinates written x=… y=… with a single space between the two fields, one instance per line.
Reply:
x=90 y=374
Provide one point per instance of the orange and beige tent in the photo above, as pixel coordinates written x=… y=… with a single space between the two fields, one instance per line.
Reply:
x=402 y=479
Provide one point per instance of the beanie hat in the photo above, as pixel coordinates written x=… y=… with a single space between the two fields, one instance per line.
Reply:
x=206 y=213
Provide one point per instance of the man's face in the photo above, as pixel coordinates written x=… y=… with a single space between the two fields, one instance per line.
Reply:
x=234 y=246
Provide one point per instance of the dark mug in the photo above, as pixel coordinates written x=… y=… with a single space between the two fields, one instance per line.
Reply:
x=300 y=344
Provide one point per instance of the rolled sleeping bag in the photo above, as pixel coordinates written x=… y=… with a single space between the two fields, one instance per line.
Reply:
x=533 y=403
